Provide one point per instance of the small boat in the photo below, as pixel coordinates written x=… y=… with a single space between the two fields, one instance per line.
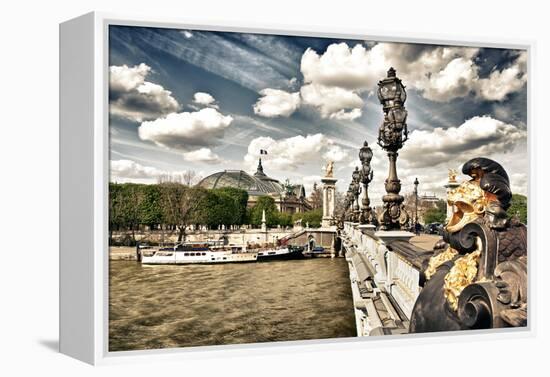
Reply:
x=195 y=253
x=316 y=251
x=281 y=253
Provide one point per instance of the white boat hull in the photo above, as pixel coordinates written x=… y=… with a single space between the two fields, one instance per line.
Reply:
x=199 y=257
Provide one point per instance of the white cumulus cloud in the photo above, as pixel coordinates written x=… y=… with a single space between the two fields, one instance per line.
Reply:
x=334 y=81
x=186 y=131
x=335 y=153
x=202 y=155
x=205 y=99
x=309 y=180
x=289 y=153
x=128 y=169
x=276 y=103
x=347 y=115
x=501 y=83
x=478 y=136
x=339 y=66
x=455 y=80
x=439 y=73
x=133 y=98
x=331 y=101
x=122 y=171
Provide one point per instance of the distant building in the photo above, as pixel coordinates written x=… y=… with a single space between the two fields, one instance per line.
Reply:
x=428 y=199
x=288 y=198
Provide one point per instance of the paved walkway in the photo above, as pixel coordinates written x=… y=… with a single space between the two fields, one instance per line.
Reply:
x=425 y=241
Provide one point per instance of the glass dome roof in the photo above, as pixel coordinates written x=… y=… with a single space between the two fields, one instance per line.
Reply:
x=255 y=185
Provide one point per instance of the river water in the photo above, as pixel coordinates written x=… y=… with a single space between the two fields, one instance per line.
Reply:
x=192 y=305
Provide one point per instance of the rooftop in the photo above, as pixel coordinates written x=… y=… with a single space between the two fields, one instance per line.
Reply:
x=257 y=184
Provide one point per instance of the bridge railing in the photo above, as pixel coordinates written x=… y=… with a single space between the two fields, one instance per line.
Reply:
x=385 y=273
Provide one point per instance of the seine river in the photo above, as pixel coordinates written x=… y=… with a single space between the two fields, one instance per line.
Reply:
x=194 y=305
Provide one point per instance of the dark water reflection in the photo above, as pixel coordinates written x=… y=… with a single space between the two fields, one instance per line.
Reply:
x=177 y=306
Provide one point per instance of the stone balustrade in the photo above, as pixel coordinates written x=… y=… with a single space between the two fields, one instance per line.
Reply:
x=385 y=272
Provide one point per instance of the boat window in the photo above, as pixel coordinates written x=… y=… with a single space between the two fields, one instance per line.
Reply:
x=185 y=254
x=224 y=258
x=271 y=253
x=203 y=253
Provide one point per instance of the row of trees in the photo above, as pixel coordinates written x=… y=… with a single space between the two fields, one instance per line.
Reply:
x=176 y=206
x=172 y=205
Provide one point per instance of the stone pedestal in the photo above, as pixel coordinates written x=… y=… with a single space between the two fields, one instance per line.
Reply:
x=329 y=191
x=393 y=235
x=367 y=228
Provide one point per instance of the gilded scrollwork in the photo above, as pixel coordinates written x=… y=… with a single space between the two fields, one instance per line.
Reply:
x=438 y=259
x=477 y=278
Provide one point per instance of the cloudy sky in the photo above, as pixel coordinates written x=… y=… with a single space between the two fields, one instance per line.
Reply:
x=208 y=101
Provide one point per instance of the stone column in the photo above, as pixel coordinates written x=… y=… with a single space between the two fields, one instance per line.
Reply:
x=264 y=224
x=329 y=191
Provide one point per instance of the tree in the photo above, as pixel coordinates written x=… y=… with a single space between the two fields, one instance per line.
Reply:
x=240 y=201
x=316 y=197
x=224 y=206
x=284 y=219
x=190 y=177
x=266 y=203
x=436 y=214
x=312 y=218
x=518 y=206
x=115 y=209
x=125 y=201
x=339 y=199
x=187 y=178
x=151 y=206
x=179 y=202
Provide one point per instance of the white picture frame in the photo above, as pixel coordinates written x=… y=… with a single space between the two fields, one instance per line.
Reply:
x=84 y=167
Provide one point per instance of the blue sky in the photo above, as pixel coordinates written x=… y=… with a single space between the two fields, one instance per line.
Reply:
x=208 y=101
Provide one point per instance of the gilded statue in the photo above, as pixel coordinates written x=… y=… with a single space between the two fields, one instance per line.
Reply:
x=452 y=175
x=329 y=169
x=477 y=275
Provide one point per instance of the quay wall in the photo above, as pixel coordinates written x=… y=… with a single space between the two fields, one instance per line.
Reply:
x=157 y=237
x=298 y=237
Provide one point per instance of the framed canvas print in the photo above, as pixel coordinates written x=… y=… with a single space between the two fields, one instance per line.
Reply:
x=225 y=187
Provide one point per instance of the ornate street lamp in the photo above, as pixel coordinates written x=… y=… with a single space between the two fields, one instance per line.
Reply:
x=356 y=177
x=349 y=202
x=365 y=155
x=392 y=134
x=416 y=206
